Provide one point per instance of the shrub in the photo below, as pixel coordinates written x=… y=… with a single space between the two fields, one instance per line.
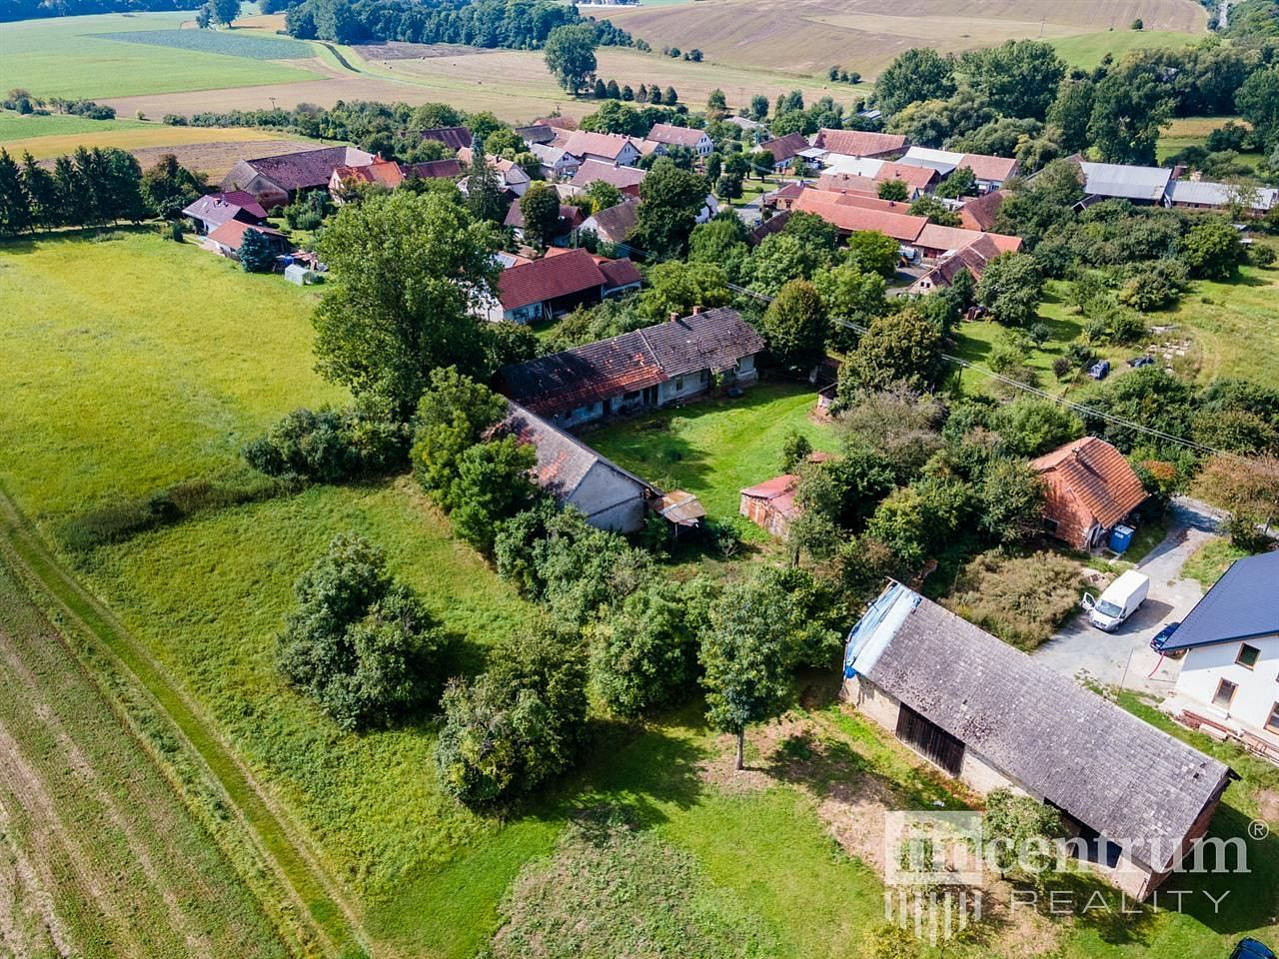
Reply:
x=327 y=445
x=359 y=643
x=643 y=655
x=1022 y=600
x=1261 y=255
x=517 y=725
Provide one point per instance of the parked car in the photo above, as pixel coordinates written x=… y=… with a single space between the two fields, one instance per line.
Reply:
x=1161 y=638
x=1119 y=601
x=1099 y=370
x=1249 y=948
x=1137 y=362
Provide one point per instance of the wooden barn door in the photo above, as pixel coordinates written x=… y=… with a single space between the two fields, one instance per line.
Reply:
x=930 y=739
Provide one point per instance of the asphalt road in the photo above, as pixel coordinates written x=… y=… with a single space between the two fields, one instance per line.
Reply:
x=1124 y=658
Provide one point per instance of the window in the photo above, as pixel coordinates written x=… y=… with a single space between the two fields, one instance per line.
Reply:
x=1225 y=694
x=679 y=383
x=1273 y=722
x=1248 y=656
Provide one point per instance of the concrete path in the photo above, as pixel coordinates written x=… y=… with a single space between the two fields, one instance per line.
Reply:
x=1124 y=658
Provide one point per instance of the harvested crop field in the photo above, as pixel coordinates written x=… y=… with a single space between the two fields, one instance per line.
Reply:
x=864 y=35
x=97 y=855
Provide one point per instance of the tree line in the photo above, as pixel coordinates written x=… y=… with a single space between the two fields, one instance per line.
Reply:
x=35 y=9
x=90 y=187
x=517 y=24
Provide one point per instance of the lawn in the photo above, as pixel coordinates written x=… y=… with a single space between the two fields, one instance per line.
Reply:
x=15 y=126
x=75 y=57
x=1210 y=561
x=134 y=363
x=717 y=447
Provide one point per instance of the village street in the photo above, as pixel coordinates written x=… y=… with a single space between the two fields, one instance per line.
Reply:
x=1124 y=658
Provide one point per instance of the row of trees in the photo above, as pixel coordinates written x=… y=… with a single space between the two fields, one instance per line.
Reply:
x=36 y=9
x=519 y=24
x=90 y=188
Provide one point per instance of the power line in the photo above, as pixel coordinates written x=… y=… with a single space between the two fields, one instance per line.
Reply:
x=1079 y=408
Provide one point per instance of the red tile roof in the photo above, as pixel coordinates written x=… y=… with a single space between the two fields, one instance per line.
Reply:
x=713 y=339
x=386 y=172
x=935 y=237
x=548 y=278
x=231 y=233
x=848 y=183
x=1089 y=481
x=582 y=143
x=901 y=227
x=989 y=167
x=622 y=177
x=915 y=177
x=436 y=169
x=859 y=143
x=618 y=273
x=675 y=136
x=979 y=213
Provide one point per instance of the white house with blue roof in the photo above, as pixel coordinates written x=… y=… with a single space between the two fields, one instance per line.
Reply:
x=1229 y=682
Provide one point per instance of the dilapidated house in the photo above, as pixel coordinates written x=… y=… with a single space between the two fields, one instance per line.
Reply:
x=577 y=476
x=644 y=369
x=1091 y=489
x=989 y=715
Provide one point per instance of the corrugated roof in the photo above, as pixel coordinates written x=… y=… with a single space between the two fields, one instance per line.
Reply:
x=1244 y=603
x=1126 y=182
x=1207 y=193
x=943 y=161
x=1134 y=784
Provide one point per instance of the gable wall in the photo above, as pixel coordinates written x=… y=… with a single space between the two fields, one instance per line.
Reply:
x=1205 y=666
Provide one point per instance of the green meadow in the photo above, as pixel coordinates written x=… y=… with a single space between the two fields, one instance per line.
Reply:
x=77 y=57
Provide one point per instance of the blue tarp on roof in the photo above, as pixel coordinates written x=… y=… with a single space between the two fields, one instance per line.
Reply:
x=1243 y=603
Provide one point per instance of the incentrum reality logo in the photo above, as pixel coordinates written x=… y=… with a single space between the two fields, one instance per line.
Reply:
x=943 y=871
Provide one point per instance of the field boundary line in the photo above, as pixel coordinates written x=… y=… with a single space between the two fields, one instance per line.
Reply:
x=321 y=903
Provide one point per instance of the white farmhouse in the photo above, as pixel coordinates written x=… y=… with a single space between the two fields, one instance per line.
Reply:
x=1229 y=682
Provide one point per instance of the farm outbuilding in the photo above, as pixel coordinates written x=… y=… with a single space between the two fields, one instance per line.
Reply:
x=1091 y=490
x=989 y=715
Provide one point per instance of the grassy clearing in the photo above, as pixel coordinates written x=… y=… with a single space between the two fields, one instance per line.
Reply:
x=139 y=138
x=135 y=363
x=1087 y=50
x=250 y=45
x=98 y=828
x=716 y=448
x=15 y=126
x=1210 y=561
x=75 y=57
x=1236 y=325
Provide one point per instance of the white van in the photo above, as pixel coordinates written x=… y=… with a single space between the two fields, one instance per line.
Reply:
x=1119 y=601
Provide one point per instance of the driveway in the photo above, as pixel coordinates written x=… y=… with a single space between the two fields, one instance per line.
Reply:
x=1124 y=658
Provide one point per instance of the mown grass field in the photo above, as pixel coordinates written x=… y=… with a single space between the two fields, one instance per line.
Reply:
x=1086 y=50
x=75 y=57
x=98 y=858
x=1235 y=325
x=863 y=35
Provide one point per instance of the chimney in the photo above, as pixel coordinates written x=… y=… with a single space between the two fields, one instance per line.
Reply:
x=697 y=309
x=674 y=315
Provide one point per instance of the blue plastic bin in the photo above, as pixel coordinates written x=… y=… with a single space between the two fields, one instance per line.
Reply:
x=1121 y=538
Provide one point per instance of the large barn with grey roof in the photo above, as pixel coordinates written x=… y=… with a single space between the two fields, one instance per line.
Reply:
x=989 y=715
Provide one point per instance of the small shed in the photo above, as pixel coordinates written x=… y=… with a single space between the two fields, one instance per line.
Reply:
x=681 y=509
x=299 y=273
x=771 y=505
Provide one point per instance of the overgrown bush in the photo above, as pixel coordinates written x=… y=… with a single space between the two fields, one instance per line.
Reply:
x=328 y=445
x=515 y=726
x=359 y=643
x=1022 y=600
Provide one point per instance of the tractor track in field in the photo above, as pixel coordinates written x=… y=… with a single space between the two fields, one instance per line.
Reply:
x=320 y=903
